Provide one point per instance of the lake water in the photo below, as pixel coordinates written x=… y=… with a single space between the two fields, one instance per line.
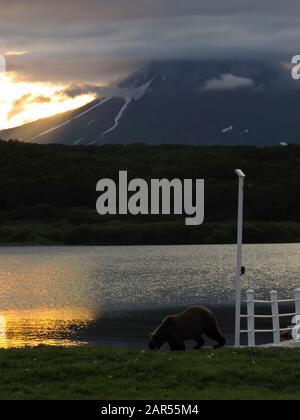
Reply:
x=117 y=295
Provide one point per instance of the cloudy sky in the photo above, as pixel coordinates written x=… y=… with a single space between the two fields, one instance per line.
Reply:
x=51 y=44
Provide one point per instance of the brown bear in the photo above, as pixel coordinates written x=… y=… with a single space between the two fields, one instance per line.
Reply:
x=190 y=324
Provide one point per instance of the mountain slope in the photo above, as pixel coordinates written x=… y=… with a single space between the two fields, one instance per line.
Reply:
x=188 y=102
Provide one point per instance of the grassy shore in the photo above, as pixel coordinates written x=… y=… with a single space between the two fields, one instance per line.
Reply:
x=104 y=373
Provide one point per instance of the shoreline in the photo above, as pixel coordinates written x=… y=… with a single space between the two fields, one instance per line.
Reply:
x=35 y=245
x=126 y=329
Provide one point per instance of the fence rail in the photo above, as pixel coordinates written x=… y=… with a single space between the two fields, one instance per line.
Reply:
x=275 y=315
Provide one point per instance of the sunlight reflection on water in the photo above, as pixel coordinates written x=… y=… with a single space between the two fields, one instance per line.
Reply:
x=43 y=327
x=54 y=295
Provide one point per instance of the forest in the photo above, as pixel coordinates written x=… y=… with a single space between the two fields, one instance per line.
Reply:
x=48 y=193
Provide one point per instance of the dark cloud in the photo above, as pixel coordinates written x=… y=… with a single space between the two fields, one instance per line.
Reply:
x=78 y=89
x=103 y=10
x=99 y=40
x=21 y=103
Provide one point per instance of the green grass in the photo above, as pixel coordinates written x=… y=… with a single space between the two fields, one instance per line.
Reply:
x=105 y=373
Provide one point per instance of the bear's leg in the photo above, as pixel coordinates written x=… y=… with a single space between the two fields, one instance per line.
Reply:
x=200 y=343
x=177 y=346
x=214 y=334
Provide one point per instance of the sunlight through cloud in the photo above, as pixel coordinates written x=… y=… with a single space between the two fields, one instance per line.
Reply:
x=23 y=102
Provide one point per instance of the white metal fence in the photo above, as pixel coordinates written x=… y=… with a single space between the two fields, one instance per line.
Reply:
x=276 y=316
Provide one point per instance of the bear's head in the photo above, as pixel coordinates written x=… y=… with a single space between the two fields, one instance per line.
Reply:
x=156 y=341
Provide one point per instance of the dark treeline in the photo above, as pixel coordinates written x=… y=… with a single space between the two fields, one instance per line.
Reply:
x=48 y=195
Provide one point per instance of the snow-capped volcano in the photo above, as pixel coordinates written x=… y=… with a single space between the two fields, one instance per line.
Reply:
x=190 y=102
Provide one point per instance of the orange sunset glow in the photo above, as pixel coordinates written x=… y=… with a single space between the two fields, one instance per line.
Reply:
x=22 y=102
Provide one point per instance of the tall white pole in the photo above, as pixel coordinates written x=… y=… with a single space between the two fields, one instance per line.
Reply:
x=239 y=258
